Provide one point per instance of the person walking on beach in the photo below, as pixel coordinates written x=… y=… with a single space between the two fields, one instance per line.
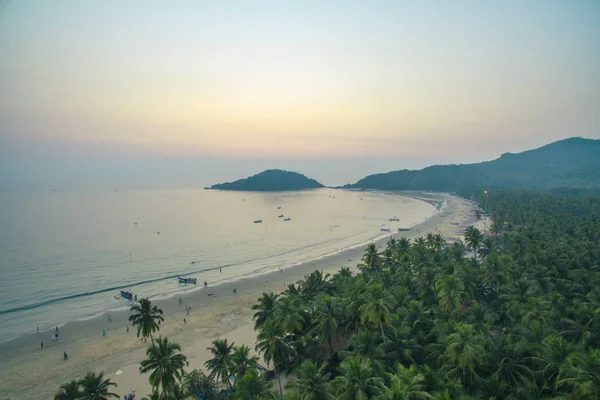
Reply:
x=42 y=344
x=127 y=328
x=65 y=356
x=57 y=329
x=235 y=292
x=184 y=321
x=103 y=332
x=109 y=320
x=220 y=270
x=38 y=329
x=180 y=301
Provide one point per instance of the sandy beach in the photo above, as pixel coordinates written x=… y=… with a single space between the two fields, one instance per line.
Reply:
x=29 y=372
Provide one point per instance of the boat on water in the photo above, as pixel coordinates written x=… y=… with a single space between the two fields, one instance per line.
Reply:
x=258 y=221
x=279 y=208
x=287 y=219
x=385 y=229
x=395 y=219
x=280 y=216
x=187 y=280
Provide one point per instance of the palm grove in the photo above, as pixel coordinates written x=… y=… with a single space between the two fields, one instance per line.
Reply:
x=514 y=316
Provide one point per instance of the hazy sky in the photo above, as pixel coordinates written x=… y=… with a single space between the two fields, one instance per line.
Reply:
x=335 y=89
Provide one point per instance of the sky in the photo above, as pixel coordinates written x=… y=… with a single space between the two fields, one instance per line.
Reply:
x=195 y=92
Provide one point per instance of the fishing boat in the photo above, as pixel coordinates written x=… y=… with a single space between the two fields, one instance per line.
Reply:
x=280 y=216
x=258 y=221
x=287 y=219
x=395 y=219
x=187 y=280
x=125 y=294
x=385 y=229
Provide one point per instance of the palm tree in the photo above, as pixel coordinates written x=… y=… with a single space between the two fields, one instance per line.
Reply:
x=450 y=289
x=312 y=382
x=314 y=283
x=371 y=259
x=264 y=309
x=221 y=364
x=274 y=347
x=487 y=248
x=242 y=361
x=95 y=387
x=357 y=380
x=405 y=384
x=464 y=350
x=473 y=238
x=325 y=320
x=376 y=308
x=165 y=363
x=69 y=391
x=288 y=314
x=253 y=387
x=146 y=318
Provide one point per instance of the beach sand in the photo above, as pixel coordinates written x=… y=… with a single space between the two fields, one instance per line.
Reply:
x=29 y=372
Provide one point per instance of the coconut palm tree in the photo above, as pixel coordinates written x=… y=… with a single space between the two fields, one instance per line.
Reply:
x=370 y=259
x=473 y=238
x=312 y=382
x=274 y=347
x=69 y=391
x=325 y=319
x=264 y=309
x=450 y=290
x=405 y=384
x=288 y=314
x=146 y=318
x=242 y=361
x=252 y=386
x=221 y=365
x=165 y=364
x=357 y=380
x=314 y=283
x=464 y=351
x=376 y=308
x=95 y=387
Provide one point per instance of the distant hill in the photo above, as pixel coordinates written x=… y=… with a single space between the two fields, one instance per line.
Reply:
x=573 y=162
x=271 y=180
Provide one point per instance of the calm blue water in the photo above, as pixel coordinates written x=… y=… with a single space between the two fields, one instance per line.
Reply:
x=64 y=255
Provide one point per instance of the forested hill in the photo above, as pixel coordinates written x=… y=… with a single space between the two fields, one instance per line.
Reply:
x=271 y=180
x=573 y=162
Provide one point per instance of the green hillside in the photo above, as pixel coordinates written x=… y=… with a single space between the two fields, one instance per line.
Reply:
x=271 y=180
x=573 y=162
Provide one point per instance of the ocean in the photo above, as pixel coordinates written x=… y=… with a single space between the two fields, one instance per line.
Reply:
x=65 y=255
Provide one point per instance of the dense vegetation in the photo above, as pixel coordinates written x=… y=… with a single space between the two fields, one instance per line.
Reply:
x=271 y=180
x=571 y=162
x=425 y=320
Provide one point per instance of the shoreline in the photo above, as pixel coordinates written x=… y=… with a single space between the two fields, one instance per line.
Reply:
x=216 y=311
x=414 y=195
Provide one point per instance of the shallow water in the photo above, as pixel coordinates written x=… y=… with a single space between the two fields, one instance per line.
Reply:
x=65 y=255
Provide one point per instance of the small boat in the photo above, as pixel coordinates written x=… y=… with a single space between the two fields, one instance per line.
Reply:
x=287 y=219
x=385 y=229
x=125 y=294
x=187 y=280
x=281 y=216
x=258 y=221
x=279 y=208
x=395 y=219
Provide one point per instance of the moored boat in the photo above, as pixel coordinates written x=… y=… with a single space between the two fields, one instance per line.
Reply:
x=258 y=221
x=287 y=219
x=187 y=280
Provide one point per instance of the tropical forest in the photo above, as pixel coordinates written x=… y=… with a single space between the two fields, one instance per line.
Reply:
x=512 y=313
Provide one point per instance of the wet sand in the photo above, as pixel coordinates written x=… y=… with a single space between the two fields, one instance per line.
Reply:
x=29 y=372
